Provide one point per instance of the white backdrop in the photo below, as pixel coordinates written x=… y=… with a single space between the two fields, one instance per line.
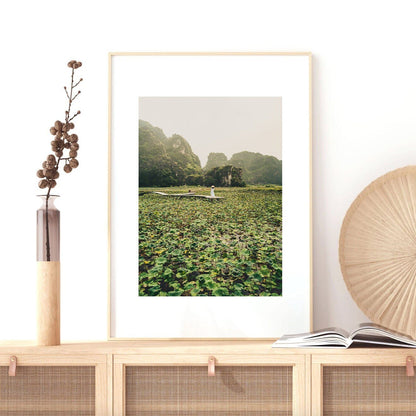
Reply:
x=364 y=124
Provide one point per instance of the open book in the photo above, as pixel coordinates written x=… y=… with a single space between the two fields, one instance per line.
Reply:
x=367 y=333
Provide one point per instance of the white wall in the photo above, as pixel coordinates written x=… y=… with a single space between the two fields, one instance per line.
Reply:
x=364 y=124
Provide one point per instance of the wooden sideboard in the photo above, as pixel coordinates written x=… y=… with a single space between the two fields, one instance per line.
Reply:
x=171 y=378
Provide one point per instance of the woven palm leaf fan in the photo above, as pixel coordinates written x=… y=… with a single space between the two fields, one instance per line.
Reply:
x=377 y=250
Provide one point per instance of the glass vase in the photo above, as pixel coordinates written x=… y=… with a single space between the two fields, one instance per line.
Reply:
x=48 y=272
x=48 y=230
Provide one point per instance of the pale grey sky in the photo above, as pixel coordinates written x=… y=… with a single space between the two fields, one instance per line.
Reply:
x=219 y=124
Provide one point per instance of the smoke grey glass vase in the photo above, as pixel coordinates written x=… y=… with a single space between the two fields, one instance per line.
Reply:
x=48 y=273
x=48 y=230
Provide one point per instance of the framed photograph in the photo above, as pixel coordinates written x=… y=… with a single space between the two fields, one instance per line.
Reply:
x=209 y=195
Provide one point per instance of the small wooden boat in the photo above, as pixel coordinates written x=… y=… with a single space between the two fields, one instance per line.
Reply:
x=188 y=195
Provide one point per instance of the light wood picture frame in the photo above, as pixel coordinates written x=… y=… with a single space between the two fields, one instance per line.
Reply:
x=209 y=74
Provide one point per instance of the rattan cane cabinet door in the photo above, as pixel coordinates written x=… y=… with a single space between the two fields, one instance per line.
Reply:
x=51 y=386
x=185 y=389
x=367 y=385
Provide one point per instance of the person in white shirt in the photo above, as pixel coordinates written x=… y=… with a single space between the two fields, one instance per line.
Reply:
x=212 y=190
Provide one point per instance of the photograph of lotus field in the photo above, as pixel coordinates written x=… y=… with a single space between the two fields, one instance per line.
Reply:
x=212 y=228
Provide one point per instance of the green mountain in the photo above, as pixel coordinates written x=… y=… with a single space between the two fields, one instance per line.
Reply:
x=166 y=161
x=215 y=160
x=258 y=168
x=187 y=162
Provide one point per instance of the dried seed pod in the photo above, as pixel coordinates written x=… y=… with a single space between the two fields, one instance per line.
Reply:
x=74 y=146
x=79 y=64
x=53 y=130
x=67 y=145
x=51 y=159
x=58 y=125
x=71 y=126
x=73 y=163
x=56 y=175
x=65 y=135
x=67 y=168
x=50 y=166
x=40 y=174
x=73 y=153
x=70 y=63
x=59 y=142
x=44 y=165
x=43 y=184
x=52 y=183
x=54 y=145
x=58 y=135
x=59 y=153
x=65 y=128
x=73 y=138
x=49 y=173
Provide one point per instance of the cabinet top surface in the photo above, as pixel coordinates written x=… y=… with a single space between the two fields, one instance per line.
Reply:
x=169 y=347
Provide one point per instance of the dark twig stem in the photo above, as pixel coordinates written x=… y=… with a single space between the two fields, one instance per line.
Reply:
x=76 y=95
x=78 y=82
x=48 y=244
x=76 y=114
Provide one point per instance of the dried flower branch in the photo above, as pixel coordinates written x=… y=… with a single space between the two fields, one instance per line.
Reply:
x=62 y=141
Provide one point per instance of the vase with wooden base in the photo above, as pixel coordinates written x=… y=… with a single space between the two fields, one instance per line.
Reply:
x=48 y=272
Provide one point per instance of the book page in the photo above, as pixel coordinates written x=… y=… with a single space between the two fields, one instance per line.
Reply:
x=375 y=334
